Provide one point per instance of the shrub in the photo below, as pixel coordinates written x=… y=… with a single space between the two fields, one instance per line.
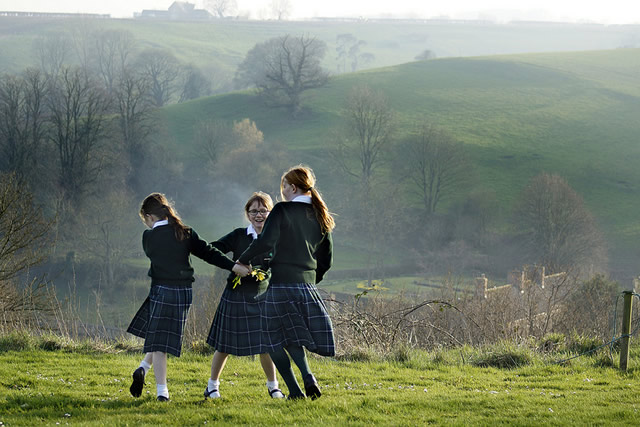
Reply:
x=582 y=344
x=16 y=341
x=552 y=343
x=504 y=356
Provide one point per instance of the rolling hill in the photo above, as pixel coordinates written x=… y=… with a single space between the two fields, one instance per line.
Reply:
x=571 y=113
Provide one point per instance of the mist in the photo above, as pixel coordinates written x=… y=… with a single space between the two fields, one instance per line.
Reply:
x=176 y=118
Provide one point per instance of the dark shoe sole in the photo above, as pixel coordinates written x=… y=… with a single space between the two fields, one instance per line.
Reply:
x=138 y=382
x=311 y=388
x=312 y=391
x=207 y=393
x=162 y=399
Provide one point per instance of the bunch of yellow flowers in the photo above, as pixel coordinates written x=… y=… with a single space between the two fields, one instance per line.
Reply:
x=260 y=275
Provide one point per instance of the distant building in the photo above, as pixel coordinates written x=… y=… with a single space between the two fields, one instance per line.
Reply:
x=178 y=11
x=53 y=15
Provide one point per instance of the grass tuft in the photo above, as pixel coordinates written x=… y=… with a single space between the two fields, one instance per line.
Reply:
x=16 y=341
x=504 y=356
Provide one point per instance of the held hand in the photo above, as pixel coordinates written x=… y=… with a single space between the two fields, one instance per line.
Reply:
x=241 y=270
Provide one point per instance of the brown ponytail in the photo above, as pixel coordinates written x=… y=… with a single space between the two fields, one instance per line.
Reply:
x=303 y=177
x=157 y=204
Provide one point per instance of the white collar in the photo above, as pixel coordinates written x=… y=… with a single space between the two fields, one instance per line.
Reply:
x=161 y=222
x=302 y=199
x=252 y=231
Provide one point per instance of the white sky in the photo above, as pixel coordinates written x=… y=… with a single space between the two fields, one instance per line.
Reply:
x=602 y=11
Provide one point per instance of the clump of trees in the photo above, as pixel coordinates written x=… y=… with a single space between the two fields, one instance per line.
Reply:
x=349 y=55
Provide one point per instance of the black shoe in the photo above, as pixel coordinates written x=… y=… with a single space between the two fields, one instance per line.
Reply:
x=162 y=399
x=138 y=382
x=213 y=394
x=276 y=393
x=311 y=387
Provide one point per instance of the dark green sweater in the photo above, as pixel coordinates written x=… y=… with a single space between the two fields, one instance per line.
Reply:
x=236 y=242
x=170 y=263
x=301 y=253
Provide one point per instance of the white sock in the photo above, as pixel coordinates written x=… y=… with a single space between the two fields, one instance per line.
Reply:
x=213 y=385
x=144 y=365
x=272 y=385
x=162 y=390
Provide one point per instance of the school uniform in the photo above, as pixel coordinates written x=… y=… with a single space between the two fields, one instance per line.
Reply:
x=162 y=317
x=236 y=328
x=294 y=313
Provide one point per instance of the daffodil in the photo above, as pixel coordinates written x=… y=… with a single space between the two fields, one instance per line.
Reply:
x=260 y=275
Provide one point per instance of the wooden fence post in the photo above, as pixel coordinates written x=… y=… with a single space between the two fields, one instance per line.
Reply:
x=626 y=330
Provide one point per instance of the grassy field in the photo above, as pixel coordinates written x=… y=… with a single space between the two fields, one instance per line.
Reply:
x=45 y=382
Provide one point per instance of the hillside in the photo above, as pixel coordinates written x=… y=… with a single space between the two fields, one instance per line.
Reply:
x=218 y=46
x=574 y=114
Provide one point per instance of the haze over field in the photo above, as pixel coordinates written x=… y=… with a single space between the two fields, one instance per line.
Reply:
x=611 y=12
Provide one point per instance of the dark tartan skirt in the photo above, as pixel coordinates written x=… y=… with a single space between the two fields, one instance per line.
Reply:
x=236 y=328
x=161 y=319
x=294 y=314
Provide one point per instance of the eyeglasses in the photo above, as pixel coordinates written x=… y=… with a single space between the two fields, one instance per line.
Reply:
x=254 y=212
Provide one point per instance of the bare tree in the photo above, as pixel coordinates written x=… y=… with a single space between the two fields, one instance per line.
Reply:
x=195 y=85
x=369 y=127
x=558 y=231
x=24 y=243
x=281 y=9
x=282 y=68
x=76 y=106
x=133 y=108
x=161 y=69
x=106 y=237
x=221 y=8
x=211 y=139
x=22 y=122
x=53 y=52
x=23 y=229
x=112 y=51
x=435 y=165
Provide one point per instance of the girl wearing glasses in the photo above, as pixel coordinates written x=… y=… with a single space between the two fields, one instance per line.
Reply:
x=298 y=231
x=236 y=327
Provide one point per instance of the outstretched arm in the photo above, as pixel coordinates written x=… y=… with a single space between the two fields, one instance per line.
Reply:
x=208 y=253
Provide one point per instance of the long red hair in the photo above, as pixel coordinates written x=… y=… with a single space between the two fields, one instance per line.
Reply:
x=303 y=178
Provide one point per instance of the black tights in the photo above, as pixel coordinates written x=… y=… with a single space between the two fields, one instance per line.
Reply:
x=281 y=360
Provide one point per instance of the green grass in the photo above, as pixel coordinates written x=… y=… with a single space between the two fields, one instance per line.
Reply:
x=88 y=386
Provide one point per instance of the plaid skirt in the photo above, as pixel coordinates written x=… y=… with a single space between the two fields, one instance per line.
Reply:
x=294 y=314
x=161 y=319
x=236 y=328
